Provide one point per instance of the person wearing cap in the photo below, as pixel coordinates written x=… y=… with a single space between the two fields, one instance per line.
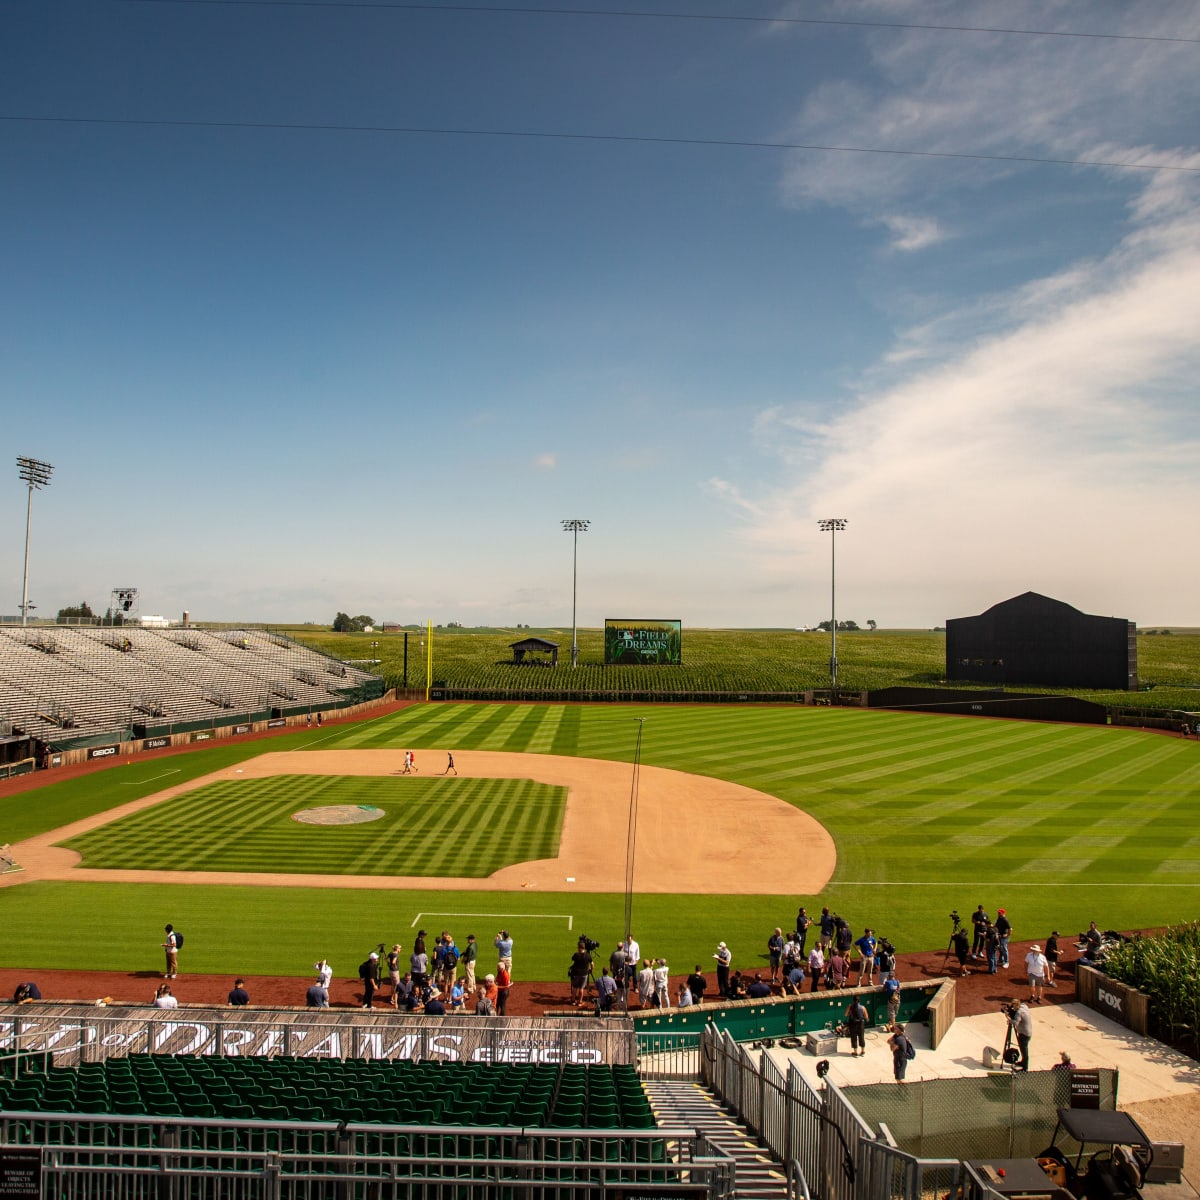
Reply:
x=491 y=990
x=1035 y=969
x=239 y=995
x=1004 y=932
x=366 y=972
x=724 y=957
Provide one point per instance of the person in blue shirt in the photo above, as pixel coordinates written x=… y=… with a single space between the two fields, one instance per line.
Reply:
x=866 y=969
x=504 y=945
x=891 y=992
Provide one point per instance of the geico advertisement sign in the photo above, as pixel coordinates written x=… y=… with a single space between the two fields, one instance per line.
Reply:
x=68 y=1038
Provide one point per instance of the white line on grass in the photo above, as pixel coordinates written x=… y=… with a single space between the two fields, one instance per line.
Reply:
x=139 y=782
x=1008 y=884
x=570 y=920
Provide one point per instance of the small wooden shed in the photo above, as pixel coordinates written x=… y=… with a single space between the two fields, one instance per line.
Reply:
x=533 y=646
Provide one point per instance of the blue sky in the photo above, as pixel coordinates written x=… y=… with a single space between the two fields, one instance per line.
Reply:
x=284 y=370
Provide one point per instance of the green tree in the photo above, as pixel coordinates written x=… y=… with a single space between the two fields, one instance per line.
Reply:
x=343 y=623
x=75 y=612
x=872 y=626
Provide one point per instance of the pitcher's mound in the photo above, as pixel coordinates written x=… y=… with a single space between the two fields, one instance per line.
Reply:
x=338 y=814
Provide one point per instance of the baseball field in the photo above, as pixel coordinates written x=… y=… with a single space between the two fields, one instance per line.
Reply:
x=890 y=819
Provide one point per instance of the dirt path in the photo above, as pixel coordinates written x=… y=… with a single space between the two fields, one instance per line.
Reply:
x=694 y=834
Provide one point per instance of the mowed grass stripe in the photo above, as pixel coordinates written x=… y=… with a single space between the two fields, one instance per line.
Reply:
x=429 y=827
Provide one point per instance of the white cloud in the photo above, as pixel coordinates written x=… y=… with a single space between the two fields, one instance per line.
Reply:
x=912 y=233
x=546 y=462
x=1059 y=453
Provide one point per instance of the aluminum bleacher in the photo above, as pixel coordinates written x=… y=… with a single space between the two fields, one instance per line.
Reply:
x=66 y=684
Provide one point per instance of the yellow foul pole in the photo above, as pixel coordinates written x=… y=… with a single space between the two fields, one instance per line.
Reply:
x=428 y=658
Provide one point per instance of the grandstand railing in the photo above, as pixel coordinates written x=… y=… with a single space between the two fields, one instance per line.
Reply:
x=83 y=1033
x=131 y=1158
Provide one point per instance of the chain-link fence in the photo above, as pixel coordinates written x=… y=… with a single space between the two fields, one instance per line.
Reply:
x=1007 y=1113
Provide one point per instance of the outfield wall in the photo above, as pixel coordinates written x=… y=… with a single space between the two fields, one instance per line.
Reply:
x=100 y=746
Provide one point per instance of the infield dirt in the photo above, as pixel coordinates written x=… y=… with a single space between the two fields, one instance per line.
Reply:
x=694 y=833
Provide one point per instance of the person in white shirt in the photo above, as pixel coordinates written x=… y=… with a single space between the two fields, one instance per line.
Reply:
x=662 y=986
x=163 y=997
x=324 y=973
x=1035 y=968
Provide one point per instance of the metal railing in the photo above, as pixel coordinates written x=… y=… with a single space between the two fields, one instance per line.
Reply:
x=131 y=1158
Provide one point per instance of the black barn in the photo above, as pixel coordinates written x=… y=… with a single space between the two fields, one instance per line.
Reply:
x=1034 y=640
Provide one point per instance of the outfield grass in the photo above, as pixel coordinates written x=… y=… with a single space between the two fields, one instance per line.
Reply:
x=1060 y=824
x=434 y=827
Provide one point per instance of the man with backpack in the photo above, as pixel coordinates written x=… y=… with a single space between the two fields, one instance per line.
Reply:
x=172 y=946
x=903 y=1052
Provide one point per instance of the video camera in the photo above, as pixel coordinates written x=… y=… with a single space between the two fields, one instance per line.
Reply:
x=955 y=918
x=589 y=944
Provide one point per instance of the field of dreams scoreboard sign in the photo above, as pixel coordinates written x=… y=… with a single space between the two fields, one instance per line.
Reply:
x=642 y=642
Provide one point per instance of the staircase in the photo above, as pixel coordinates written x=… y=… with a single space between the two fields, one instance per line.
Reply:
x=757 y=1176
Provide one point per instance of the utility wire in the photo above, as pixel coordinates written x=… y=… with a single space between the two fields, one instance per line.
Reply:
x=665 y=16
x=435 y=131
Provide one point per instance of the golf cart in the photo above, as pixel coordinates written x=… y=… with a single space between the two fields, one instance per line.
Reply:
x=1113 y=1157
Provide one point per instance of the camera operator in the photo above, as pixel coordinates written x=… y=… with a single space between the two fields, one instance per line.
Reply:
x=580 y=969
x=1020 y=1020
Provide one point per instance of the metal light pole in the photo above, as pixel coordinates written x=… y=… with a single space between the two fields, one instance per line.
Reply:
x=831 y=526
x=575 y=528
x=37 y=475
x=630 y=848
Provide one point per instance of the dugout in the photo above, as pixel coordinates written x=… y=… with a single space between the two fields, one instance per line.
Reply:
x=1037 y=641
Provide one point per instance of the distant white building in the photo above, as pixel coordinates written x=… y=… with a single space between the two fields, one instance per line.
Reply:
x=153 y=621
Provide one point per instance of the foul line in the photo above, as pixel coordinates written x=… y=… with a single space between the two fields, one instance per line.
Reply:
x=570 y=920
x=966 y=883
x=139 y=782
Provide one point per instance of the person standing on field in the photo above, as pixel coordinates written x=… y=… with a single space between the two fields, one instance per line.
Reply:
x=171 y=946
x=469 y=954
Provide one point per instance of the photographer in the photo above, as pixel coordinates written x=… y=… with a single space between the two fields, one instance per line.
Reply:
x=1020 y=1021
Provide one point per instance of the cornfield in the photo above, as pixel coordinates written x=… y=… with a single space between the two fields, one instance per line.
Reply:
x=1167 y=968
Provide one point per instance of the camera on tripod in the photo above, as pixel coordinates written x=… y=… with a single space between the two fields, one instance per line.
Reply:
x=956 y=919
x=589 y=944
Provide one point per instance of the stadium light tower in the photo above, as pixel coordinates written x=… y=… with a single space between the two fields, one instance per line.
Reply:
x=831 y=526
x=575 y=527
x=37 y=475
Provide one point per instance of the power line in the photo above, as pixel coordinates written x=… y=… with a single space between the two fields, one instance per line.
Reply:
x=535 y=134
x=665 y=16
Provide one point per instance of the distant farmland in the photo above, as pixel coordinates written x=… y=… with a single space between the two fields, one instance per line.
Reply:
x=781 y=661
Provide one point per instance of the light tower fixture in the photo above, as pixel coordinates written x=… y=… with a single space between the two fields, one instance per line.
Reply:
x=575 y=527
x=832 y=526
x=36 y=474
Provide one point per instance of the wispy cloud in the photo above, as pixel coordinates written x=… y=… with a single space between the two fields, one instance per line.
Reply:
x=1056 y=453
x=912 y=233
